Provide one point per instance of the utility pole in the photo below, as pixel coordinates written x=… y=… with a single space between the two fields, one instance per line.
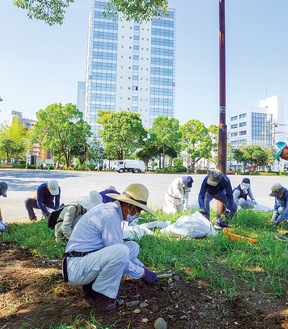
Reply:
x=222 y=128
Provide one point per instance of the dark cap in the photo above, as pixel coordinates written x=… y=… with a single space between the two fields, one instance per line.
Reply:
x=246 y=180
x=277 y=189
x=214 y=177
x=187 y=181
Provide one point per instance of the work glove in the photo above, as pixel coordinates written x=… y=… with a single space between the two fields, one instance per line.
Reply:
x=2 y=227
x=254 y=201
x=274 y=218
x=149 y=276
x=226 y=215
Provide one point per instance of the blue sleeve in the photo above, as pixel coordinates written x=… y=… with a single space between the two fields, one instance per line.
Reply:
x=40 y=195
x=201 y=195
x=229 y=193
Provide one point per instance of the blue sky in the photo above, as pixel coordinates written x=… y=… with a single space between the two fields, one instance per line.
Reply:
x=40 y=64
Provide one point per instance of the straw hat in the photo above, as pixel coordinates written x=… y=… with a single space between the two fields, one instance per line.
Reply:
x=135 y=194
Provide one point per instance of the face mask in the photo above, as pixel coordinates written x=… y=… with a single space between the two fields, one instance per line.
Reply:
x=130 y=218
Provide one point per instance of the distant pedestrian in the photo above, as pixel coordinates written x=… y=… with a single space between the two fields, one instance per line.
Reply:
x=3 y=192
x=217 y=186
x=177 y=195
x=280 y=213
x=241 y=194
x=47 y=196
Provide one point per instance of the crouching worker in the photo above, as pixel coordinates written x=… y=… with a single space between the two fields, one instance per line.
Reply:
x=71 y=214
x=217 y=186
x=96 y=257
x=241 y=193
x=280 y=213
x=177 y=195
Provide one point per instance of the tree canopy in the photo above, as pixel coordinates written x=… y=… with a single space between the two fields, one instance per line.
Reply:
x=13 y=140
x=62 y=131
x=122 y=134
x=53 y=12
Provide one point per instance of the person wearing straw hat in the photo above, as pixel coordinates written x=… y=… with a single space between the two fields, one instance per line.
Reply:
x=3 y=192
x=71 y=214
x=47 y=196
x=280 y=213
x=96 y=257
x=280 y=150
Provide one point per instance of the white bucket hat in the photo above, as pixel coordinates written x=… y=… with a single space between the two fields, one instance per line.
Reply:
x=53 y=187
x=136 y=194
x=90 y=201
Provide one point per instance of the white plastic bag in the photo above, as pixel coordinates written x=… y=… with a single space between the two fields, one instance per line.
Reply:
x=194 y=226
x=261 y=208
x=136 y=231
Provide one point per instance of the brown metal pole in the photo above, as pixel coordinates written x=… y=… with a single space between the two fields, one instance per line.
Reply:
x=222 y=129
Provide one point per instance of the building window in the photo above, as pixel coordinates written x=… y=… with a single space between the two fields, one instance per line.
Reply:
x=234 y=126
x=234 y=118
x=242 y=116
x=242 y=124
x=234 y=134
x=243 y=132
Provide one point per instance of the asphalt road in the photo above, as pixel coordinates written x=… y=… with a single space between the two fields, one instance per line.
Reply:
x=23 y=184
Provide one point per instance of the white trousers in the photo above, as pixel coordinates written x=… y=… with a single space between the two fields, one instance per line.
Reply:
x=106 y=267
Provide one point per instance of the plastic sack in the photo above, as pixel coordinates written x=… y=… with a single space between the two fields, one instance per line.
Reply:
x=194 y=226
x=131 y=232
x=261 y=208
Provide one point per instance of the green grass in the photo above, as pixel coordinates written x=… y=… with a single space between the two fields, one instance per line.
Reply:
x=230 y=268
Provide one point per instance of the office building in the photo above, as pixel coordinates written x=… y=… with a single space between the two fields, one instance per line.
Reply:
x=130 y=66
x=260 y=125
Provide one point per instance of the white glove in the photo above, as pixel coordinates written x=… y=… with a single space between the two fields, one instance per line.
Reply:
x=254 y=201
x=2 y=227
x=274 y=218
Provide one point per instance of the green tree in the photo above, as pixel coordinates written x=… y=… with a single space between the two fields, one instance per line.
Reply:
x=196 y=141
x=238 y=156
x=13 y=141
x=149 y=151
x=62 y=131
x=122 y=134
x=167 y=136
x=96 y=149
x=255 y=155
x=53 y=12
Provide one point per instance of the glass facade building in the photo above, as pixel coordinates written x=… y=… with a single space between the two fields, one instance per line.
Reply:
x=130 y=66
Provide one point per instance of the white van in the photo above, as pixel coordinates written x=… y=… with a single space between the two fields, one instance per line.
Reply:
x=134 y=166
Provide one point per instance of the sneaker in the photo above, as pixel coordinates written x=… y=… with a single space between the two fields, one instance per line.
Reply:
x=101 y=302
x=34 y=218
x=220 y=225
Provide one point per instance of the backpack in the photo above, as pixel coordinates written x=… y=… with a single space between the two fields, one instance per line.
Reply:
x=53 y=217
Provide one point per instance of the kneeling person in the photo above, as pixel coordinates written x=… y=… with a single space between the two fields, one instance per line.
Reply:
x=71 y=214
x=96 y=257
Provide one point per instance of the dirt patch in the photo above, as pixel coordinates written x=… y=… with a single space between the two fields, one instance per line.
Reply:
x=33 y=295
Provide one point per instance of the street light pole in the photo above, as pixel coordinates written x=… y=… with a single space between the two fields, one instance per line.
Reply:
x=222 y=128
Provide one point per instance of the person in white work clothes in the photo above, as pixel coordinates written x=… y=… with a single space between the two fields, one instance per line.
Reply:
x=96 y=257
x=176 y=197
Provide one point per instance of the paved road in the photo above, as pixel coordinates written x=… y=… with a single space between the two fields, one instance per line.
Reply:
x=23 y=184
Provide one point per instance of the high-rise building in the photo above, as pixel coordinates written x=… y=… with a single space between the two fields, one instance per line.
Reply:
x=260 y=125
x=130 y=66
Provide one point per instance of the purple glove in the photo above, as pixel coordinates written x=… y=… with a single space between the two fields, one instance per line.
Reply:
x=149 y=276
